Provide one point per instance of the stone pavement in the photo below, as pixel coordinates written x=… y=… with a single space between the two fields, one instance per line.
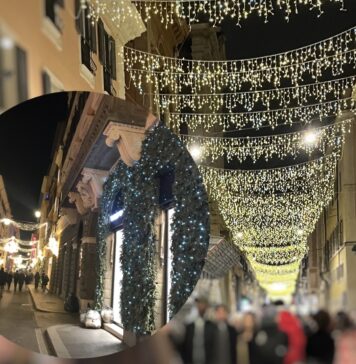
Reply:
x=45 y=301
x=70 y=340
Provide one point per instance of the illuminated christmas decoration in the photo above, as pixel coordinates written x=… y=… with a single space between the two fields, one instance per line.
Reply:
x=137 y=187
x=190 y=10
x=283 y=97
x=259 y=119
x=53 y=246
x=174 y=74
x=23 y=225
x=11 y=246
x=267 y=147
x=19 y=241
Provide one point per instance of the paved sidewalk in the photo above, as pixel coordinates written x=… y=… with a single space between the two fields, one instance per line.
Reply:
x=70 y=341
x=46 y=302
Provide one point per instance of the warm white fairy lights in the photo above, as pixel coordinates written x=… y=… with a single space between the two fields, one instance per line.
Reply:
x=22 y=225
x=175 y=74
x=300 y=143
x=296 y=177
x=270 y=98
x=191 y=10
x=258 y=119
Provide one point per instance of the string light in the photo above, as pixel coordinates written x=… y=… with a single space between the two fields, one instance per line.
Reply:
x=19 y=241
x=267 y=147
x=276 y=180
x=216 y=10
x=23 y=225
x=259 y=119
x=281 y=97
x=174 y=74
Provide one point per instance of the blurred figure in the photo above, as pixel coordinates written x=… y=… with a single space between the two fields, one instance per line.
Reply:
x=198 y=346
x=44 y=281
x=346 y=340
x=9 y=279
x=16 y=280
x=291 y=326
x=270 y=342
x=246 y=350
x=37 y=280
x=3 y=278
x=320 y=346
x=226 y=337
x=21 y=278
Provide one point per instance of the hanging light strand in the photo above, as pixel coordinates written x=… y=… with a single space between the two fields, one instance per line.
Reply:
x=190 y=10
x=271 y=146
x=283 y=97
x=174 y=73
x=259 y=119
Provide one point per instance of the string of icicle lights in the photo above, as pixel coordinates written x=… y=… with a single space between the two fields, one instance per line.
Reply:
x=29 y=243
x=281 y=97
x=175 y=74
x=271 y=212
x=267 y=147
x=258 y=119
x=190 y=10
x=26 y=226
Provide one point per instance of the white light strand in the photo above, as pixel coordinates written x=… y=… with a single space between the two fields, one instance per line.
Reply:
x=268 y=147
x=216 y=10
x=283 y=97
x=259 y=119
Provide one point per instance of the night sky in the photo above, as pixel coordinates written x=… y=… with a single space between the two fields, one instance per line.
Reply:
x=27 y=133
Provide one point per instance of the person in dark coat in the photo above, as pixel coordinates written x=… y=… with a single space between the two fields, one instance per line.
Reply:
x=22 y=278
x=320 y=345
x=270 y=343
x=199 y=343
x=44 y=281
x=37 y=280
x=9 y=280
x=226 y=337
x=3 y=279
x=16 y=280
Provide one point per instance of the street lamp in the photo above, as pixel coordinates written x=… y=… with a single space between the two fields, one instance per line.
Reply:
x=37 y=214
x=310 y=137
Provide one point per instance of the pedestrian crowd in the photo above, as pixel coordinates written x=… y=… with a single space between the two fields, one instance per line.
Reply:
x=21 y=277
x=274 y=336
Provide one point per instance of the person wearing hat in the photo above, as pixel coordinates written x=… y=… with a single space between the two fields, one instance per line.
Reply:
x=199 y=344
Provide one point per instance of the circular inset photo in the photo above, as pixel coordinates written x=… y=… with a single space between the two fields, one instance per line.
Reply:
x=104 y=224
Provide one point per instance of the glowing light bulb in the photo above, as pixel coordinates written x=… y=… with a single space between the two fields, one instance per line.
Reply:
x=6 y=221
x=196 y=152
x=310 y=137
x=239 y=235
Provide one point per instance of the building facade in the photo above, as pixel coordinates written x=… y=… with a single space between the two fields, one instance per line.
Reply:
x=63 y=50
x=328 y=277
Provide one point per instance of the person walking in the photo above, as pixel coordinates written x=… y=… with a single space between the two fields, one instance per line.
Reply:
x=346 y=339
x=16 y=280
x=3 y=278
x=320 y=345
x=44 y=281
x=199 y=343
x=21 y=280
x=37 y=280
x=226 y=337
x=9 y=279
x=246 y=347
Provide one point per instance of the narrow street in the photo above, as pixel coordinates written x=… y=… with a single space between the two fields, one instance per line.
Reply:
x=23 y=325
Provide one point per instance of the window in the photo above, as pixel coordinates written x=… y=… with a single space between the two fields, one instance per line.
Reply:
x=107 y=57
x=50 y=83
x=87 y=31
x=117 y=278
x=52 y=12
x=13 y=73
